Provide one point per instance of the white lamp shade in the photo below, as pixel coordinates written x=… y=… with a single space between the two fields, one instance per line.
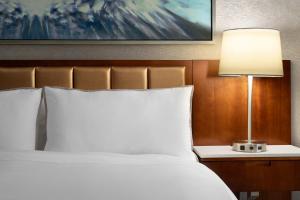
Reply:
x=254 y=52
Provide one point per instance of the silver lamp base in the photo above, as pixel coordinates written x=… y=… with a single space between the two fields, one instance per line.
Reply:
x=246 y=147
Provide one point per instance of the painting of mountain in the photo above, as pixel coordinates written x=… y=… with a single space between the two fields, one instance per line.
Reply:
x=106 y=20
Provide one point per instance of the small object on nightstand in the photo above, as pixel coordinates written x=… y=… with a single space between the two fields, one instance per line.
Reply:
x=253 y=53
x=253 y=147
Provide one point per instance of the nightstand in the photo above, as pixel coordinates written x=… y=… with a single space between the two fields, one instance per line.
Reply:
x=270 y=175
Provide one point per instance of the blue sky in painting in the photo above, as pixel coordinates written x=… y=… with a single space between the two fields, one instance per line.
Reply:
x=198 y=11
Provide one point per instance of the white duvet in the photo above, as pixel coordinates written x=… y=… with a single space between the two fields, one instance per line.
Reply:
x=97 y=176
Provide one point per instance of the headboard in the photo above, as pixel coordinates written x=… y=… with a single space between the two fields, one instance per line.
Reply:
x=219 y=103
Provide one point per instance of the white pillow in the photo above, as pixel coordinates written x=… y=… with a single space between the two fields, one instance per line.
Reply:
x=154 y=121
x=18 y=116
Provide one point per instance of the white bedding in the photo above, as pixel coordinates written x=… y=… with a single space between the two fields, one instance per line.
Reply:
x=104 y=176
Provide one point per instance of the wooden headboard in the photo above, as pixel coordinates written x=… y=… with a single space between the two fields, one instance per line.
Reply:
x=219 y=103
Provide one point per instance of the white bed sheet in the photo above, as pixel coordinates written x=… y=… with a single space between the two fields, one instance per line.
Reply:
x=95 y=176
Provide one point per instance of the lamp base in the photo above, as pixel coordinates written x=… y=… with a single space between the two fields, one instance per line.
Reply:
x=246 y=147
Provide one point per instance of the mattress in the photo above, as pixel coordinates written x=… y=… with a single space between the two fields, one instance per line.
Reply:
x=94 y=176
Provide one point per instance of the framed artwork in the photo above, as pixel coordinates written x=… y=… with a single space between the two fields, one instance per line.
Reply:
x=93 y=21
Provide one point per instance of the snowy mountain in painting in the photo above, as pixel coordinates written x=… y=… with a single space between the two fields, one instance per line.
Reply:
x=99 y=20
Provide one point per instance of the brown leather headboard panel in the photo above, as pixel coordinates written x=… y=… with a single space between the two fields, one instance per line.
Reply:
x=15 y=77
x=129 y=78
x=93 y=78
x=164 y=77
x=54 y=76
x=219 y=103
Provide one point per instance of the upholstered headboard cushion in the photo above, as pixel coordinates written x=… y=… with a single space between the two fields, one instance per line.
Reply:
x=93 y=77
x=14 y=77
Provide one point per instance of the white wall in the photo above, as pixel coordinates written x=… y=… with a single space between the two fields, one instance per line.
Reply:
x=280 y=14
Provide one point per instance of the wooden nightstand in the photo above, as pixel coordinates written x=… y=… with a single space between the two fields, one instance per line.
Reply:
x=271 y=175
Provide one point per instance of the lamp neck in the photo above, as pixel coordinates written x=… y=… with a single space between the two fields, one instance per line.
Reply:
x=250 y=89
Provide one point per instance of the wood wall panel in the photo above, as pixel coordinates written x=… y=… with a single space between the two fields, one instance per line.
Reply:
x=272 y=108
x=220 y=107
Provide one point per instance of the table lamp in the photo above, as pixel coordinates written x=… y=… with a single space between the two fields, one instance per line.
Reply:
x=251 y=53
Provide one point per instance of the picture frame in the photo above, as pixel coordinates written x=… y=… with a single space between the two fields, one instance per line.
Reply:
x=206 y=40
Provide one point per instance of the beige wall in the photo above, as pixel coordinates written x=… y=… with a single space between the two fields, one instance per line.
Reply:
x=280 y=14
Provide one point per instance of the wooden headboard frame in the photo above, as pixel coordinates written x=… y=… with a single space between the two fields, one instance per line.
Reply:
x=219 y=103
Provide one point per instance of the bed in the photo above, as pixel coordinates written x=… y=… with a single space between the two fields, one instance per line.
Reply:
x=91 y=176
x=152 y=168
